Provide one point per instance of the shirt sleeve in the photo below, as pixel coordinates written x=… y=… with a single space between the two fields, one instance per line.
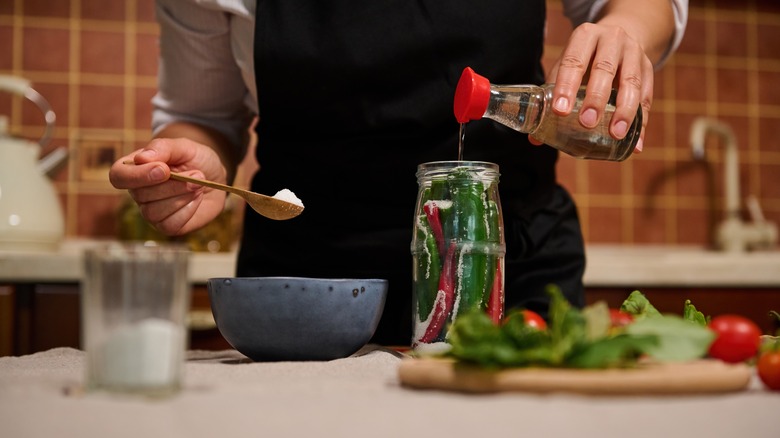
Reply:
x=198 y=78
x=581 y=11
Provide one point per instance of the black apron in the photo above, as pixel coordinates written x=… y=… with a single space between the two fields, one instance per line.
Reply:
x=352 y=97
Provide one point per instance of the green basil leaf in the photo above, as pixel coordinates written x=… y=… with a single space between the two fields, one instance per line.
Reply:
x=475 y=339
x=567 y=325
x=691 y=314
x=639 y=306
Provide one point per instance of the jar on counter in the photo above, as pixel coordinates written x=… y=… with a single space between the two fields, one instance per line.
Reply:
x=218 y=235
x=457 y=246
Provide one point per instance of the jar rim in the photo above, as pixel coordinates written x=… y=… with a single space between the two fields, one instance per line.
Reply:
x=444 y=167
x=457 y=163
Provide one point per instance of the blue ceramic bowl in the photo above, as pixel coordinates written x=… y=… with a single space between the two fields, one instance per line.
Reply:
x=295 y=318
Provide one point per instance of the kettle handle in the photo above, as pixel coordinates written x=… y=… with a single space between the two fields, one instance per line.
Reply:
x=22 y=87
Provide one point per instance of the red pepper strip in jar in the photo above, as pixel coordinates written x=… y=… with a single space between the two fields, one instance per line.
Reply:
x=434 y=220
x=427 y=269
x=496 y=302
x=445 y=298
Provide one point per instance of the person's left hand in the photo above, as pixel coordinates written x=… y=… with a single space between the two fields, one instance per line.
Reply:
x=607 y=57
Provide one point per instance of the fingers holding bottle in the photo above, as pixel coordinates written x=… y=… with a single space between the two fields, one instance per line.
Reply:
x=634 y=83
x=569 y=71
x=604 y=57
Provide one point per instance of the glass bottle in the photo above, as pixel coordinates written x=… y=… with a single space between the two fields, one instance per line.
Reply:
x=528 y=109
x=457 y=246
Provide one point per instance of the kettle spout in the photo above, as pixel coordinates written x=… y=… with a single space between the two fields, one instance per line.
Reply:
x=51 y=162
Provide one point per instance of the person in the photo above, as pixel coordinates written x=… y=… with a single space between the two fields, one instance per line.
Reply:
x=350 y=97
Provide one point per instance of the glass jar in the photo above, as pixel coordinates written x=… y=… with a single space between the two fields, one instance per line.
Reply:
x=457 y=246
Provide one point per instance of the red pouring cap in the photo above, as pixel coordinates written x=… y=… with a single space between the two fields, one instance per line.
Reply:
x=471 y=96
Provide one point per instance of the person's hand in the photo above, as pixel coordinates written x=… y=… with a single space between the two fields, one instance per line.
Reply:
x=608 y=57
x=173 y=207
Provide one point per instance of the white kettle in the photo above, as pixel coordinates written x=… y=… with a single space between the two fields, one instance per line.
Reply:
x=30 y=212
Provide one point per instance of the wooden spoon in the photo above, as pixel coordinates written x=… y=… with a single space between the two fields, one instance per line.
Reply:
x=268 y=206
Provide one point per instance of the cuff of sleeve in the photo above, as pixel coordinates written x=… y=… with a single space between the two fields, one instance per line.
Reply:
x=680 y=10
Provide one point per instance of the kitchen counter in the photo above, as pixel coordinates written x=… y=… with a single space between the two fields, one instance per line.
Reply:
x=40 y=291
x=66 y=264
x=675 y=266
x=226 y=395
x=607 y=265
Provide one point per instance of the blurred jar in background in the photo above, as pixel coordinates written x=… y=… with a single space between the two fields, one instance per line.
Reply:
x=218 y=236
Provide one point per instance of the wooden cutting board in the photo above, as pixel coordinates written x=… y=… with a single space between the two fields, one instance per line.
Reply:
x=703 y=376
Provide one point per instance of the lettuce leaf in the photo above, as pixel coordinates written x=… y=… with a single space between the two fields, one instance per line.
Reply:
x=678 y=340
x=617 y=351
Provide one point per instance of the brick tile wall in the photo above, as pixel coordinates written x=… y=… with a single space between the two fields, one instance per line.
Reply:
x=95 y=61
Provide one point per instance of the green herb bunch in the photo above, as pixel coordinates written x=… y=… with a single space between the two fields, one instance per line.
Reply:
x=581 y=338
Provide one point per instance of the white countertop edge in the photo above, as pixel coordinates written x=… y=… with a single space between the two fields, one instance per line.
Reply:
x=670 y=266
x=66 y=264
x=607 y=266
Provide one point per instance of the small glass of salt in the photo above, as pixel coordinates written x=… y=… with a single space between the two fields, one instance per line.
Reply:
x=135 y=299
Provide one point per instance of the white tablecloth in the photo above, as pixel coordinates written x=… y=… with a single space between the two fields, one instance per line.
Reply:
x=226 y=395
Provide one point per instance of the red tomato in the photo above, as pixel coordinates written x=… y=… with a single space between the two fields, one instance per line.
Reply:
x=533 y=319
x=620 y=318
x=737 y=338
x=768 y=367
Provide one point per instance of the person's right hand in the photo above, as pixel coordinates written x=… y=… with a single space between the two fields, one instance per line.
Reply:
x=172 y=207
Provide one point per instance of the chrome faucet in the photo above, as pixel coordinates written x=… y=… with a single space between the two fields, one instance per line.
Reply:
x=733 y=234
